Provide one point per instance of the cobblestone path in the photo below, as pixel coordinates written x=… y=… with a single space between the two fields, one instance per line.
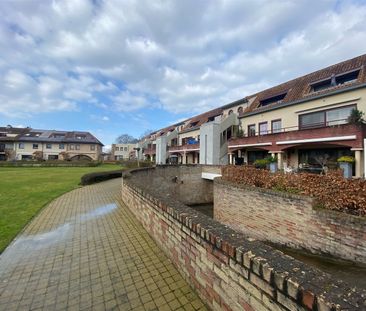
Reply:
x=86 y=251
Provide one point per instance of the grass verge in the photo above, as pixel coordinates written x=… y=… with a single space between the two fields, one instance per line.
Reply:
x=25 y=190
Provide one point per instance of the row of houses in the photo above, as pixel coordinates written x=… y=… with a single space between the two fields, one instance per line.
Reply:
x=27 y=144
x=301 y=122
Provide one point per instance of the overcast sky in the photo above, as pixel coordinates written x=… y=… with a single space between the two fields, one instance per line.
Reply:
x=112 y=67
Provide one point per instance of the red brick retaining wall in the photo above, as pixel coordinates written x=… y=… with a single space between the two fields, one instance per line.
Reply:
x=228 y=270
x=290 y=220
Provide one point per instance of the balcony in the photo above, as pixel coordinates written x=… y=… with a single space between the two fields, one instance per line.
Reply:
x=185 y=148
x=150 y=151
x=348 y=135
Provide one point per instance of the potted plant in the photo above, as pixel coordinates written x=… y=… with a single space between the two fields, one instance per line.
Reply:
x=345 y=163
x=273 y=166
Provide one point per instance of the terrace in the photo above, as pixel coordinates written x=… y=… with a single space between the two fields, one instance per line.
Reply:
x=348 y=135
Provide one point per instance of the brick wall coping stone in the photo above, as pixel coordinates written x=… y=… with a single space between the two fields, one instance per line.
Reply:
x=307 y=286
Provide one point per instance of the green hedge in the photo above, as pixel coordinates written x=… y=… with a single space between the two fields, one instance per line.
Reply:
x=96 y=177
x=134 y=164
x=49 y=164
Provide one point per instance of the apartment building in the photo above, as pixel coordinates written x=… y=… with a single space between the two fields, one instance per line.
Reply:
x=28 y=144
x=301 y=122
x=306 y=120
x=123 y=151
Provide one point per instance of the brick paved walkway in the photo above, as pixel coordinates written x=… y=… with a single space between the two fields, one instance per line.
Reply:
x=86 y=251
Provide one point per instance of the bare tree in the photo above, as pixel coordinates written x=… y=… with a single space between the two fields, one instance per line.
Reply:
x=126 y=139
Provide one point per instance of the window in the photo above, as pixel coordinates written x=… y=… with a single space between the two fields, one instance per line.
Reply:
x=92 y=147
x=61 y=146
x=335 y=80
x=2 y=134
x=35 y=146
x=126 y=149
x=48 y=146
x=338 y=116
x=322 y=85
x=230 y=111
x=251 y=130
x=117 y=148
x=326 y=117
x=240 y=110
x=314 y=119
x=263 y=128
x=72 y=147
x=276 y=126
x=21 y=146
x=59 y=136
x=80 y=137
x=77 y=147
x=272 y=99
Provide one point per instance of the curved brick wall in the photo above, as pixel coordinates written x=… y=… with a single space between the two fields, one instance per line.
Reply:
x=290 y=220
x=228 y=270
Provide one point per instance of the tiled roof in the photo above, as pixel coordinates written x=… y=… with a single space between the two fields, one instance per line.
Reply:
x=300 y=88
x=29 y=134
x=197 y=121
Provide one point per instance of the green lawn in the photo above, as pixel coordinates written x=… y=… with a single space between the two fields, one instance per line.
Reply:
x=24 y=191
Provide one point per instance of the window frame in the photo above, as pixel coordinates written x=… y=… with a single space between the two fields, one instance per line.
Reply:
x=273 y=121
x=48 y=146
x=92 y=147
x=259 y=128
x=325 y=123
x=61 y=148
x=35 y=146
x=249 y=129
x=21 y=145
x=77 y=146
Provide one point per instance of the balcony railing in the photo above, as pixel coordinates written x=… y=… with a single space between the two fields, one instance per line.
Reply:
x=296 y=128
x=295 y=134
x=185 y=147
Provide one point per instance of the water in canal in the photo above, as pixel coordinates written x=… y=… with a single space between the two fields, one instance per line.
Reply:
x=352 y=274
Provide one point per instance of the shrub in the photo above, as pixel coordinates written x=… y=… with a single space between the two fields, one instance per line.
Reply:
x=261 y=163
x=331 y=191
x=50 y=163
x=134 y=164
x=96 y=177
x=356 y=116
x=348 y=159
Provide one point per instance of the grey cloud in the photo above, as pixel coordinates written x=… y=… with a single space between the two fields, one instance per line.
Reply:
x=187 y=55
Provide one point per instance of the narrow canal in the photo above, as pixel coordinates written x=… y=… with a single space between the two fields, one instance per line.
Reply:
x=352 y=274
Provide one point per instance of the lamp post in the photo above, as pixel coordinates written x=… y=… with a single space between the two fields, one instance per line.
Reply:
x=138 y=160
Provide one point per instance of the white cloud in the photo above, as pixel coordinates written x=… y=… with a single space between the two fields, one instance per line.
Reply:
x=132 y=55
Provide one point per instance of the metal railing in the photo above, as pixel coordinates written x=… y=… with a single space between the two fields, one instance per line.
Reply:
x=295 y=128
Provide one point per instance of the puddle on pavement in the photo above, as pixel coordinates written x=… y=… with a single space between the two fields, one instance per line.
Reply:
x=354 y=275
x=43 y=239
x=100 y=211
x=29 y=244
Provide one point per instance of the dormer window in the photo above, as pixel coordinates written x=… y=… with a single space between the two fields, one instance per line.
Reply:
x=80 y=137
x=335 y=80
x=240 y=110
x=272 y=100
x=193 y=124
